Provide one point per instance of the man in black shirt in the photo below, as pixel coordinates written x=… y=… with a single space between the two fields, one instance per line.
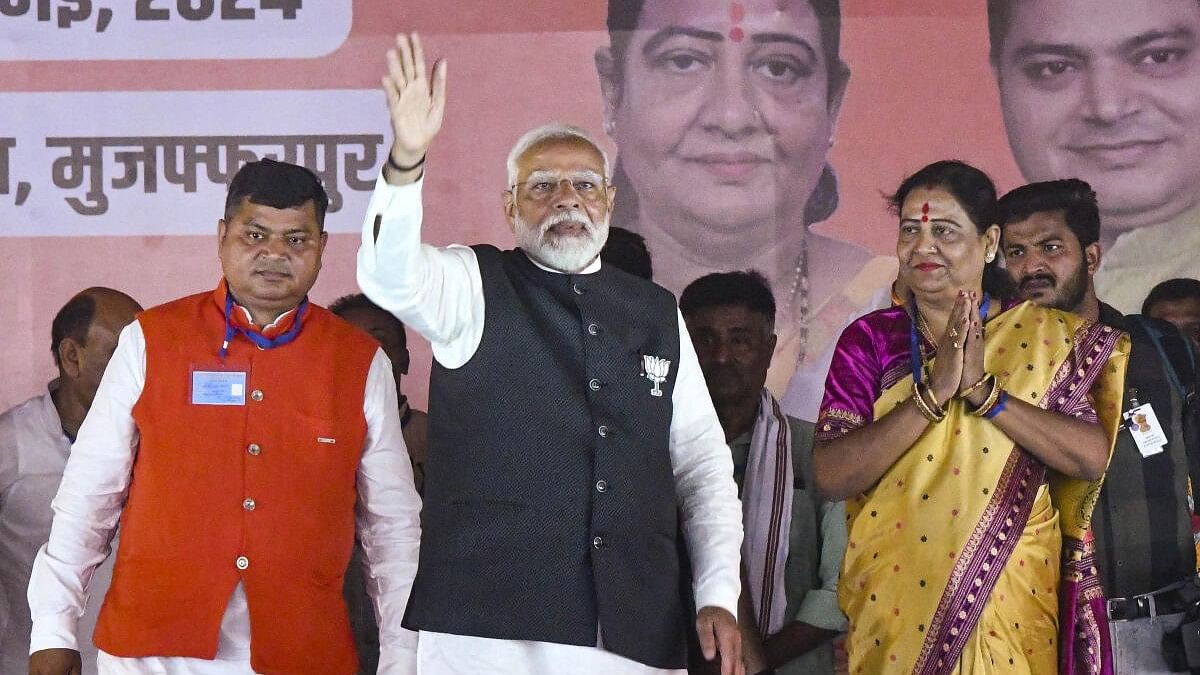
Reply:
x=1145 y=546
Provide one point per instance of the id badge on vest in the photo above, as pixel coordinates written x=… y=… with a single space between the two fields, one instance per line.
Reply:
x=213 y=386
x=1143 y=425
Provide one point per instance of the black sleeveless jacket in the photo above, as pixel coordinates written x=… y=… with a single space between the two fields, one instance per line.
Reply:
x=549 y=498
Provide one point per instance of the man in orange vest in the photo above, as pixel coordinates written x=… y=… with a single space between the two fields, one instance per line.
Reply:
x=233 y=433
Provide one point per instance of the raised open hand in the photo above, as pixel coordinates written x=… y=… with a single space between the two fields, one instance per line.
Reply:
x=416 y=103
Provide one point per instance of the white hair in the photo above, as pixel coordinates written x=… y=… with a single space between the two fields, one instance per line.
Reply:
x=549 y=132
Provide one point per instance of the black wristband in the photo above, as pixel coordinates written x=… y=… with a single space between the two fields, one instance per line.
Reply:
x=404 y=169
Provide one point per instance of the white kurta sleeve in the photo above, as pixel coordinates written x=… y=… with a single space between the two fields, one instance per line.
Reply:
x=89 y=500
x=389 y=524
x=436 y=291
x=703 y=467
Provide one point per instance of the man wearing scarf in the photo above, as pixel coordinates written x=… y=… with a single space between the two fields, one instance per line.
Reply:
x=794 y=542
x=233 y=434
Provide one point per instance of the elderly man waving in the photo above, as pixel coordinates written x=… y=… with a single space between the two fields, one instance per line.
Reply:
x=570 y=430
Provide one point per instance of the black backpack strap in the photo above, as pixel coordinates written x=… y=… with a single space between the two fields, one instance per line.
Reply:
x=1180 y=367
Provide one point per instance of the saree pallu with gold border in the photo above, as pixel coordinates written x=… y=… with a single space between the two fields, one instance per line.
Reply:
x=969 y=556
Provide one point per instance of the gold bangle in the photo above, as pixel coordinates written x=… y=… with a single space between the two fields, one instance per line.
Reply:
x=931 y=400
x=923 y=406
x=990 y=401
x=971 y=389
x=920 y=403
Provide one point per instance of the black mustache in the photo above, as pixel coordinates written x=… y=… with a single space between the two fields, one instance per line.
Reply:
x=1038 y=277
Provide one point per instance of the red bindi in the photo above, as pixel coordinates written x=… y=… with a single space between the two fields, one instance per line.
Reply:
x=737 y=12
x=925 y=212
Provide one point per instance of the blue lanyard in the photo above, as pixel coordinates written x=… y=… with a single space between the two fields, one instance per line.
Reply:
x=260 y=340
x=915 y=340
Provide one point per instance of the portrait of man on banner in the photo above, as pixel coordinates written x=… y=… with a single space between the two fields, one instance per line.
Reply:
x=1108 y=91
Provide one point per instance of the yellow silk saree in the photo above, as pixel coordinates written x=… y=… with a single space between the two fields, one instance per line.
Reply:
x=968 y=555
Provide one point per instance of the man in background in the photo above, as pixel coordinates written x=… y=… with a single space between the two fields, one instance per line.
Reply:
x=792 y=536
x=627 y=251
x=360 y=312
x=35 y=441
x=1145 y=545
x=1177 y=301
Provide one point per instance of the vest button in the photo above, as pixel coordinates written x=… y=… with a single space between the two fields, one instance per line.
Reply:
x=593 y=329
x=256 y=395
x=601 y=485
x=577 y=288
x=594 y=384
x=248 y=504
x=597 y=543
x=254 y=449
x=242 y=562
x=603 y=431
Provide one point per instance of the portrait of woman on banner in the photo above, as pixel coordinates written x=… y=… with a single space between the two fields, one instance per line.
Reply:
x=724 y=115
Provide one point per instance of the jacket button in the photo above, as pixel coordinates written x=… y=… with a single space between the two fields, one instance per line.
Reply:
x=248 y=504
x=601 y=485
x=242 y=562
x=593 y=329
x=256 y=395
x=603 y=431
x=254 y=449
x=594 y=384
x=597 y=543
x=577 y=288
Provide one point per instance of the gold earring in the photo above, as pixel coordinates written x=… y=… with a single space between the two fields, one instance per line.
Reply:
x=991 y=255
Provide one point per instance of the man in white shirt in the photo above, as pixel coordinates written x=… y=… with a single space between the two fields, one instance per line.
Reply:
x=571 y=434
x=35 y=441
x=265 y=433
x=794 y=540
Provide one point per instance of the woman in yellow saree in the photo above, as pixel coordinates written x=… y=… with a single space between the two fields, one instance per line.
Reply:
x=969 y=436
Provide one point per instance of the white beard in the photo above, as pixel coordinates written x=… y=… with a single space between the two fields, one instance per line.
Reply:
x=568 y=253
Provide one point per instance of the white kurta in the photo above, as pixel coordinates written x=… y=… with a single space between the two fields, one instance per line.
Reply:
x=439 y=293
x=33 y=453
x=93 y=492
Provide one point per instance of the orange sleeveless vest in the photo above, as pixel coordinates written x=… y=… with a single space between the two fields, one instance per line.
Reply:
x=261 y=493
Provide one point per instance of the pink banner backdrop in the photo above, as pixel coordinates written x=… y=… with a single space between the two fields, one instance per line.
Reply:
x=921 y=88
